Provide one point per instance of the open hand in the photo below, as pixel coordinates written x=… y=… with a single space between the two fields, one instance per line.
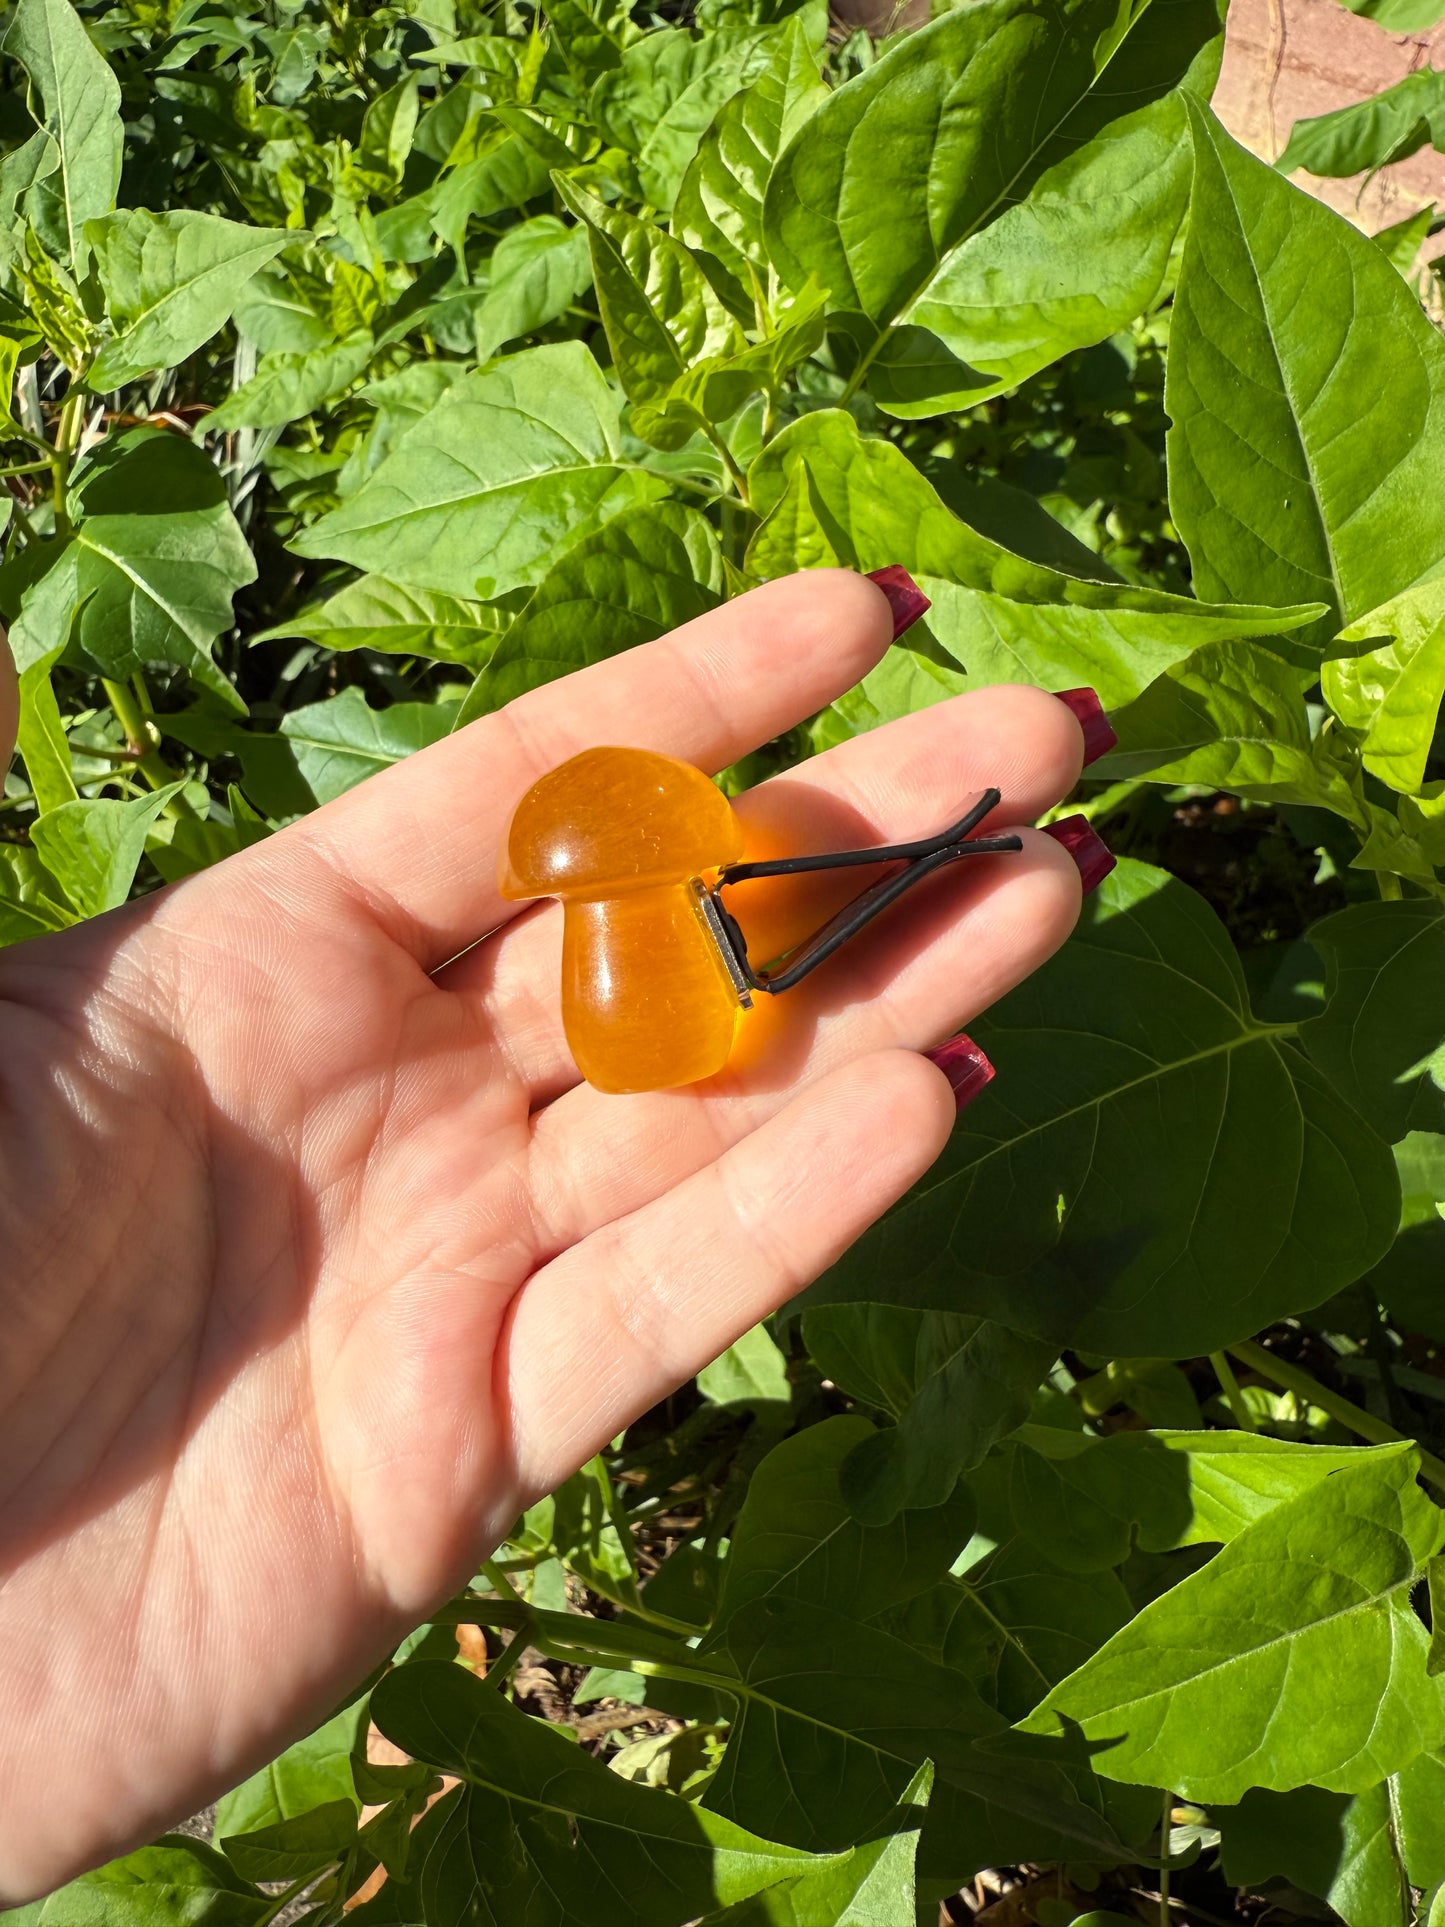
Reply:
x=320 y=1264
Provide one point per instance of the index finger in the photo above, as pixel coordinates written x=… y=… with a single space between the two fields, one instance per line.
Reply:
x=419 y=841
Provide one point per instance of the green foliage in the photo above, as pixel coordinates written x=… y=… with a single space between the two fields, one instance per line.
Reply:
x=362 y=370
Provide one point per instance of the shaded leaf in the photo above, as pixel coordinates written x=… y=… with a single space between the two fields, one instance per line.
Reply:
x=1263 y=1191
x=80 y=99
x=93 y=848
x=1389 y=696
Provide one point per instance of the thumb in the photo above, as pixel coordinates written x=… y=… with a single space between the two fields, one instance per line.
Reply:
x=9 y=703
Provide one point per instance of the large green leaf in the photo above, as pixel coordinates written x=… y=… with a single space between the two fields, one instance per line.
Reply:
x=150 y=587
x=659 y=100
x=1215 y=1687
x=320 y=749
x=372 y=613
x=1390 y=695
x=1381 y=1035
x=1263 y=1190
x=834 y=1717
x=954 y=1384
x=1389 y=126
x=873 y=1887
x=1087 y=1501
x=288 y=385
x=1361 y=1853
x=952 y=127
x=510 y=468
x=93 y=848
x=171 y=280
x=660 y=313
x=1306 y=389
x=1066 y=267
x=719 y=205
x=314 y=1772
x=1003 y=617
x=538 y=269
x=80 y=101
x=1399 y=16
x=797 y=1539
x=544 y=1833
x=640 y=575
x=175 y=1883
x=1233 y=717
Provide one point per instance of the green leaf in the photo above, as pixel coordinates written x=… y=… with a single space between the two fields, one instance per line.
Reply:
x=1233 y=717
x=538 y=269
x=175 y=1883
x=1409 y=1280
x=509 y=173
x=1077 y=260
x=171 y=280
x=289 y=385
x=1003 y=617
x=1213 y=1688
x=657 y=307
x=957 y=121
x=37 y=643
x=180 y=846
x=642 y=574
x=94 y=848
x=797 y=1538
x=1381 y=1035
x=657 y=103
x=751 y=1372
x=315 y=1772
x=873 y=1887
x=544 y=1833
x=31 y=901
x=1389 y=696
x=719 y=205
x=291 y=1849
x=150 y=587
x=1306 y=389
x=1402 y=241
x=1361 y=1853
x=954 y=1384
x=508 y=470
x=372 y=613
x=1263 y=1191
x=330 y=746
x=80 y=100
x=1086 y=1502
x=1399 y=16
x=834 y=1717
x=1390 y=126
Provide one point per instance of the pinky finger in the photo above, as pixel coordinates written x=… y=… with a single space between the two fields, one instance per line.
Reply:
x=621 y=1319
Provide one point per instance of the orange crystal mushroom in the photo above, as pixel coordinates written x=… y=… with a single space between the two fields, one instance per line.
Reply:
x=625 y=837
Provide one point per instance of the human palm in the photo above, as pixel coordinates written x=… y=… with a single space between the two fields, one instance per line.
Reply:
x=321 y=1263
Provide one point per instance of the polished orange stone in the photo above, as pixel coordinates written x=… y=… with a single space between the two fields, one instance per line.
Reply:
x=621 y=836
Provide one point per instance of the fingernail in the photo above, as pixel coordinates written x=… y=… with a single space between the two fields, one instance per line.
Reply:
x=965 y=1067
x=1099 y=738
x=1090 y=852
x=905 y=598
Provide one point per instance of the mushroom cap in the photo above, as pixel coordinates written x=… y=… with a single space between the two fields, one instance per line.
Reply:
x=614 y=820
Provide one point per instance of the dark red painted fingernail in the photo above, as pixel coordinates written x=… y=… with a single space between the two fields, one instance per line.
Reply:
x=905 y=598
x=1099 y=738
x=1090 y=852
x=965 y=1067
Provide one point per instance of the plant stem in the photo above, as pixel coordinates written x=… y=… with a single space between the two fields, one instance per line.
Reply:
x=144 y=738
x=1364 y=1424
x=283 y=1900
x=1229 y=1385
x=506 y=1662
x=1391 y=889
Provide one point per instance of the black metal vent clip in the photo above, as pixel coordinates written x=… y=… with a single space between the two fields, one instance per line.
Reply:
x=918 y=859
